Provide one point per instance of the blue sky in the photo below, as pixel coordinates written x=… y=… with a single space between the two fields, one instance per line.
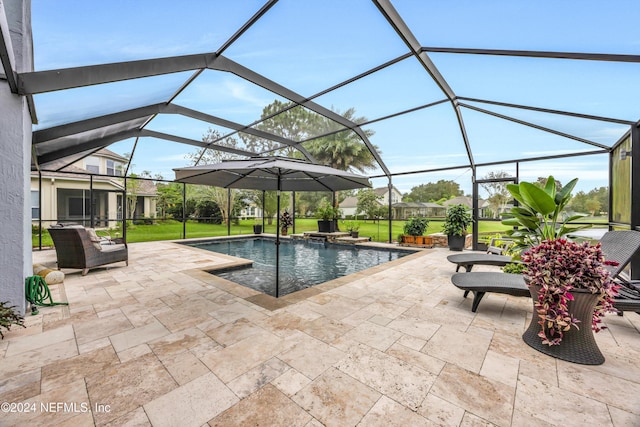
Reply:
x=311 y=45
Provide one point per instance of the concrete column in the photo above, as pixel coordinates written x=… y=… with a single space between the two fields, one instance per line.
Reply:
x=15 y=159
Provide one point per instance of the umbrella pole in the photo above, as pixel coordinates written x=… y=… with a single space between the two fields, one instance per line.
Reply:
x=278 y=240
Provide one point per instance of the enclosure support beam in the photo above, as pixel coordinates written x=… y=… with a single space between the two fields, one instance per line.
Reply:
x=68 y=78
x=635 y=193
x=390 y=211
x=538 y=54
x=184 y=210
x=474 y=211
x=401 y=28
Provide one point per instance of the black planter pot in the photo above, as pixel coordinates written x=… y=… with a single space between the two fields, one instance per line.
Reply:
x=456 y=243
x=355 y=234
x=326 y=226
x=577 y=345
x=257 y=229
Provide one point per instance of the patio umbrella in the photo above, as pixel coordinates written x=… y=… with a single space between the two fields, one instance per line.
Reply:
x=275 y=174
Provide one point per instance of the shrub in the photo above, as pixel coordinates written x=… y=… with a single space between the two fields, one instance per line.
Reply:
x=416 y=226
x=514 y=268
x=9 y=317
x=457 y=220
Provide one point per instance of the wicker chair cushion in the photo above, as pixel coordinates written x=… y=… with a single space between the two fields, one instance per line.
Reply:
x=112 y=248
x=94 y=238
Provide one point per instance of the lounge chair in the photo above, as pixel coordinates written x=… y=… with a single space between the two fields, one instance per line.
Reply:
x=469 y=260
x=494 y=256
x=619 y=246
x=482 y=282
x=499 y=245
x=77 y=247
x=628 y=299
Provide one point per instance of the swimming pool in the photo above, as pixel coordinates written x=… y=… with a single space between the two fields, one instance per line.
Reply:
x=302 y=263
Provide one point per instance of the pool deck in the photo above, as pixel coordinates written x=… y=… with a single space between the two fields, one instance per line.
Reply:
x=163 y=343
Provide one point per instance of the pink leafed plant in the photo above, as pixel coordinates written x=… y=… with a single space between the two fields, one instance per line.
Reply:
x=559 y=266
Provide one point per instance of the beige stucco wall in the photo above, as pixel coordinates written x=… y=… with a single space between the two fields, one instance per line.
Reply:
x=15 y=146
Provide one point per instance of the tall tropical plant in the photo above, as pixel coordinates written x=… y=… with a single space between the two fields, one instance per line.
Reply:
x=540 y=215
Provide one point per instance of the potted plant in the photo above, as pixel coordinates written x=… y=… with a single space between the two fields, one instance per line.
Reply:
x=568 y=281
x=352 y=228
x=285 y=222
x=456 y=222
x=9 y=317
x=327 y=215
x=257 y=227
x=570 y=302
x=413 y=230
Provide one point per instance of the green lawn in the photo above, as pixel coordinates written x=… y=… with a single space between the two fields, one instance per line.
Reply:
x=173 y=230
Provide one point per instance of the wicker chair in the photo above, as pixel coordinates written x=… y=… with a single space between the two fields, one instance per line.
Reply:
x=75 y=249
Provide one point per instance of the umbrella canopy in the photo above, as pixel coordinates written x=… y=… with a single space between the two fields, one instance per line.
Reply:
x=262 y=174
x=272 y=173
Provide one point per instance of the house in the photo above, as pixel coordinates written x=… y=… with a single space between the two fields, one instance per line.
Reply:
x=348 y=207
x=485 y=208
x=251 y=210
x=405 y=210
x=461 y=200
x=76 y=192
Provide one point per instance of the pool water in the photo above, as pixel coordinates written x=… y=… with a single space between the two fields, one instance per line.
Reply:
x=302 y=263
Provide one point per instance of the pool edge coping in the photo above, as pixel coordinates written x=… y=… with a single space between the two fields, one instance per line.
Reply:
x=269 y=302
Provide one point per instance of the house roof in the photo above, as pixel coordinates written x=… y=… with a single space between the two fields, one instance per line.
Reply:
x=146 y=188
x=459 y=200
x=381 y=191
x=417 y=205
x=349 y=202
x=104 y=152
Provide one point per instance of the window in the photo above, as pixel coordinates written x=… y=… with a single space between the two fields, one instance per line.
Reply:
x=35 y=204
x=114 y=168
x=92 y=164
x=79 y=207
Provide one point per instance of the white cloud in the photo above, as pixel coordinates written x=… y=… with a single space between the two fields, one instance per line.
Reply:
x=171 y=158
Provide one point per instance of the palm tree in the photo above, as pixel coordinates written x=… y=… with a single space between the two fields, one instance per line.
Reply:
x=342 y=149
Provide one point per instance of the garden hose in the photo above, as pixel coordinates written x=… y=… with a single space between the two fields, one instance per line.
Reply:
x=37 y=291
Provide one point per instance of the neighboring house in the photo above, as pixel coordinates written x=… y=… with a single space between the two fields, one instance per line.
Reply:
x=66 y=197
x=488 y=211
x=252 y=210
x=349 y=205
x=484 y=207
x=405 y=210
x=461 y=200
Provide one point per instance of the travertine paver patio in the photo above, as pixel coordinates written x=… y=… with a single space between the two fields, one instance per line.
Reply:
x=163 y=343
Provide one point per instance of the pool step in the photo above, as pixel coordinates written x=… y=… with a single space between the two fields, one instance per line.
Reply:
x=352 y=240
x=336 y=237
